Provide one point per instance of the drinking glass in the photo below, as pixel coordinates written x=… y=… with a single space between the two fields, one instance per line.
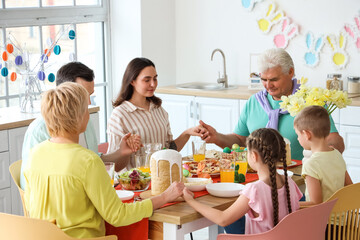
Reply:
x=150 y=148
x=110 y=168
x=198 y=149
x=227 y=170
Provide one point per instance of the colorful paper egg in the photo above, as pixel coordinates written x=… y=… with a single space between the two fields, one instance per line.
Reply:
x=10 y=48
x=13 y=76
x=41 y=75
x=57 y=50
x=18 y=60
x=72 y=34
x=51 y=77
x=0 y=66
x=5 y=56
x=47 y=52
x=44 y=58
x=4 y=72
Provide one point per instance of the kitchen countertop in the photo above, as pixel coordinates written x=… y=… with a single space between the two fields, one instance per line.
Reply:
x=11 y=117
x=241 y=92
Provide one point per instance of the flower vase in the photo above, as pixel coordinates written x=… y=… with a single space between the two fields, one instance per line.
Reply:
x=30 y=91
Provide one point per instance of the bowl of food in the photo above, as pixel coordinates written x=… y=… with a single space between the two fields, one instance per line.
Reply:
x=134 y=180
x=196 y=184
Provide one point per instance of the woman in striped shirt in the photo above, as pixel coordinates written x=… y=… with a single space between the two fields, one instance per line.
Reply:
x=138 y=111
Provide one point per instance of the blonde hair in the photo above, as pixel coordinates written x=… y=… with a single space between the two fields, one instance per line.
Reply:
x=314 y=119
x=63 y=108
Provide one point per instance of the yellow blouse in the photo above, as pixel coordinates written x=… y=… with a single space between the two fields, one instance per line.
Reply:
x=69 y=183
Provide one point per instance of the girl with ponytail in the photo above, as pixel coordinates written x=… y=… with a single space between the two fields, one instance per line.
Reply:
x=266 y=201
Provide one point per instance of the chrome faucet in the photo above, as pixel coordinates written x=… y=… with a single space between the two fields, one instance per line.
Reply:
x=223 y=79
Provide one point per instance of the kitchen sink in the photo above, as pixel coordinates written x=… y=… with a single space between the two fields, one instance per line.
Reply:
x=204 y=86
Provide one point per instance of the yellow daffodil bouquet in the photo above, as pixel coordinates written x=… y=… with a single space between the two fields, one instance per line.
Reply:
x=307 y=96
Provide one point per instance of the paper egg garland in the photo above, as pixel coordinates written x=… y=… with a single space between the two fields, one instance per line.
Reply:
x=18 y=60
x=44 y=58
x=10 y=48
x=72 y=34
x=4 y=72
x=13 y=76
x=41 y=75
x=51 y=77
x=5 y=56
x=57 y=50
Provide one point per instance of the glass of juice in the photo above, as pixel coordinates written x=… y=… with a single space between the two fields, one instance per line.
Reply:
x=198 y=149
x=227 y=170
x=110 y=168
x=149 y=148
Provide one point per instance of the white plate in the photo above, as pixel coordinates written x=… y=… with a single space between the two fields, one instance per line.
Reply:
x=281 y=172
x=197 y=184
x=125 y=194
x=225 y=189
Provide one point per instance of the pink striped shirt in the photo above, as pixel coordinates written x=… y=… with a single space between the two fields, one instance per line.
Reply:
x=153 y=126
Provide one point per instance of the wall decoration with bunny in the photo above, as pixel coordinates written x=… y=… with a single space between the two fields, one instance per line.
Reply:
x=312 y=55
x=287 y=32
x=353 y=31
x=271 y=17
x=249 y=4
x=339 y=57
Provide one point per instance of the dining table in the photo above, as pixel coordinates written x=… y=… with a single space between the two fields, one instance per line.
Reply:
x=174 y=221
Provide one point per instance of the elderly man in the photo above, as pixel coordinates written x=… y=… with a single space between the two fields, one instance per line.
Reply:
x=263 y=110
x=36 y=133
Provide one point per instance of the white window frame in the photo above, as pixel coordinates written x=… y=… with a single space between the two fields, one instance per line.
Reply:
x=54 y=15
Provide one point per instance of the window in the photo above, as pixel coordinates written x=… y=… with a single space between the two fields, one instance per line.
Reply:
x=32 y=25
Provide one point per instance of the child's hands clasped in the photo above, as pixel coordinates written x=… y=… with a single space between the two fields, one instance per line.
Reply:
x=188 y=195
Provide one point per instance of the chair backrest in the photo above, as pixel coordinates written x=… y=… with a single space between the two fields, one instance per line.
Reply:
x=15 y=170
x=309 y=223
x=344 y=220
x=24 y=228
x=102 y=147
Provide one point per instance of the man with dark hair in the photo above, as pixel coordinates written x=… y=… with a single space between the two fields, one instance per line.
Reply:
x=37 y=131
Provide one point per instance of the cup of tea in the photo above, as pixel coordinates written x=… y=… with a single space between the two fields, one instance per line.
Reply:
x=198 y=149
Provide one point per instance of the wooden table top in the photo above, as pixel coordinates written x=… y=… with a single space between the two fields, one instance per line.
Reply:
x=182 y=213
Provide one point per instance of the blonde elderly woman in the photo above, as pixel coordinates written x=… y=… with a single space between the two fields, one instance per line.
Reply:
x=68 y=182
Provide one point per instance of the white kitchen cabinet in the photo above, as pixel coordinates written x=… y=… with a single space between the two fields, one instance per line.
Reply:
x=186 y=111
x=5 y=200
x=351 y=135
x=5 y=193
x=16 y=139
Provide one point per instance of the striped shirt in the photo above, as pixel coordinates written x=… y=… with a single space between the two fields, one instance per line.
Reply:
x=152 y=125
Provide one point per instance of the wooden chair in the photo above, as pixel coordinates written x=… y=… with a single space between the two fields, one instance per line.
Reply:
x=102 y=147
x=15 y=169
x=19 y=228
x=309 y=223
x=344 y=220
